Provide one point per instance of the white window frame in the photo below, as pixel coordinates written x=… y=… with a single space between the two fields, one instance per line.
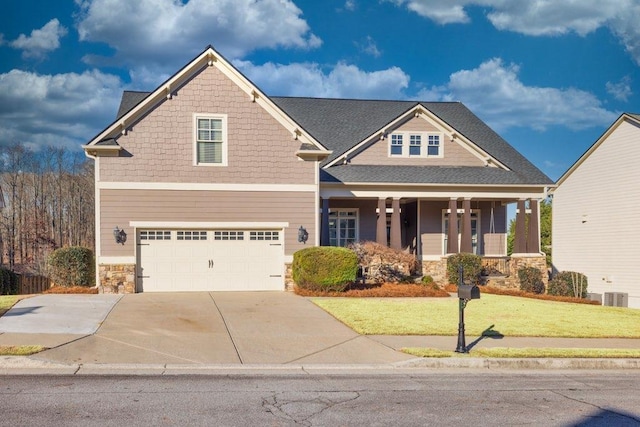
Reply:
x=357 y=222
x=223 y=119
x=424 y=144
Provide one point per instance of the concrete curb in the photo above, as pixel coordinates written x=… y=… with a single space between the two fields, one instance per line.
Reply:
x=20 y=365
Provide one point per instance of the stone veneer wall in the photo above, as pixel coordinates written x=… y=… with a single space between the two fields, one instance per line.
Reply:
x=288 y=278
x=438 y=270
x=117 y=279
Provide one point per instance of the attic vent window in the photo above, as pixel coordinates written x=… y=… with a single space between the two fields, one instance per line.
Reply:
x=210 y=142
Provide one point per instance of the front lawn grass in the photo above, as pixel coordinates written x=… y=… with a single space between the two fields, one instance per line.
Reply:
x=500 y=352
x=507 y=315
x=6 y=302
x=21 y=350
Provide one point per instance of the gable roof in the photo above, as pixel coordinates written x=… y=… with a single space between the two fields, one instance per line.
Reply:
x=635 y=118
x=135 y=104
x=340 y=124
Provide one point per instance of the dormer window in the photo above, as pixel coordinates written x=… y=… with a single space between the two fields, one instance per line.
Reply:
x=433 y=150
x=396 y=144
x=415 y=144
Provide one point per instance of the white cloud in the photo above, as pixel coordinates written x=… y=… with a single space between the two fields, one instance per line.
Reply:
x=495 y=93
x=621 y=90
x=61 y=110
x=543 y=17
x=160 y=32
x=342 y=81
x=41 y=41
x=369 y=47
x=350 y=5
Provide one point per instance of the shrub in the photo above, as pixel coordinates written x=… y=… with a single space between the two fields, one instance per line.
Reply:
x=471 y=263
x=568 y=284
x=531 y=280
x=427 y=280
x=385 y=264
x=8 y=282
x=324 y=268
x=72 y=266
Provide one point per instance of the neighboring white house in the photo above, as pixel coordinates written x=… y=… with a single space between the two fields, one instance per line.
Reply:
x=595 y=208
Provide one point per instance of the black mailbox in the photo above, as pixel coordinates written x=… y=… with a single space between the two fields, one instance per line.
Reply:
x=468 y=292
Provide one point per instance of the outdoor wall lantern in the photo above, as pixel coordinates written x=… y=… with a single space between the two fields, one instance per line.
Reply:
x=303 y=236
x=465 y=293
x=119 y=235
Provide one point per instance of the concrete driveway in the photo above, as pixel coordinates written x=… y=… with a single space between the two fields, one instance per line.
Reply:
x=211 y=328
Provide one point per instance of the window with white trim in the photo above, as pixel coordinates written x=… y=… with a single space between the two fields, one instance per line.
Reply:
x=228 y=235
x=210 y=139
x=420 y=144
x=191 y=235
x=343 y=227
x=155 y=235
x=396 y=145
x=433 y=149
x=264 y=235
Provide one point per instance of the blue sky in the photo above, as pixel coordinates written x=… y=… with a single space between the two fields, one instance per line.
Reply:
x=548 y=75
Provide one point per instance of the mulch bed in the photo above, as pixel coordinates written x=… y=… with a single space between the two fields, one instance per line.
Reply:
x=383 y=290
x=71 y=290
x=518 y=293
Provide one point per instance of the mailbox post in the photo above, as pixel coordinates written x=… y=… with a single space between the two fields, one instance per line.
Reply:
x=465 y=293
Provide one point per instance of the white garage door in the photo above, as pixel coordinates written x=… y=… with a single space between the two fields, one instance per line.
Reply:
x=210 y=260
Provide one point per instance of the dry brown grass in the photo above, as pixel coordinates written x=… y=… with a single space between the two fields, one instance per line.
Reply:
x=71 y=290
x=384 y=290
x=518 y=293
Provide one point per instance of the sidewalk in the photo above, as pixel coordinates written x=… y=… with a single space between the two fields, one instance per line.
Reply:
x=206 y=332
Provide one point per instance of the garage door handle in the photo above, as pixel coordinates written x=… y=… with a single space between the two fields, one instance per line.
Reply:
x=210 y=263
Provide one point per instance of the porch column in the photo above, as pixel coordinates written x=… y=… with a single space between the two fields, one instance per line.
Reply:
x=381 y=225
x=465 y=243
x=324 y=226
x=452 y=236
x=519 y=241
x=396 y=239
x=533 y=240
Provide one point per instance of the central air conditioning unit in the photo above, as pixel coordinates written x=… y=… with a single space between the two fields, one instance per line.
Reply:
x=616 y=299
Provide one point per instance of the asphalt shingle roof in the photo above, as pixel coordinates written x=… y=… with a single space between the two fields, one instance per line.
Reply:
x=129 y=100
x=421 y=175
x=340 y=124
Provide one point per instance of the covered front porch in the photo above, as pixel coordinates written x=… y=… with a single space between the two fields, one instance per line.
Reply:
x=421 y=224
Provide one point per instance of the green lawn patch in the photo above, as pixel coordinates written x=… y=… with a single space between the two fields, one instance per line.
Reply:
x=22 y=350
x=6 y=302
x=498 y=352
x=507 y=315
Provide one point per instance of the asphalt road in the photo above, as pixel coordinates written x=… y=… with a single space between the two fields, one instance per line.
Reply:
x=410 y=398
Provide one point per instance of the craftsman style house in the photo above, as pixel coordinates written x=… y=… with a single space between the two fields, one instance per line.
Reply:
x=207 y=183
x=599 y=191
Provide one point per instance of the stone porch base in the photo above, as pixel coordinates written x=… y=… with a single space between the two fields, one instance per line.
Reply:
x=438 y=270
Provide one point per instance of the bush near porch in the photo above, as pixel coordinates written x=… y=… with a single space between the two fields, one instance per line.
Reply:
x=324 y=268
x=382 y=264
